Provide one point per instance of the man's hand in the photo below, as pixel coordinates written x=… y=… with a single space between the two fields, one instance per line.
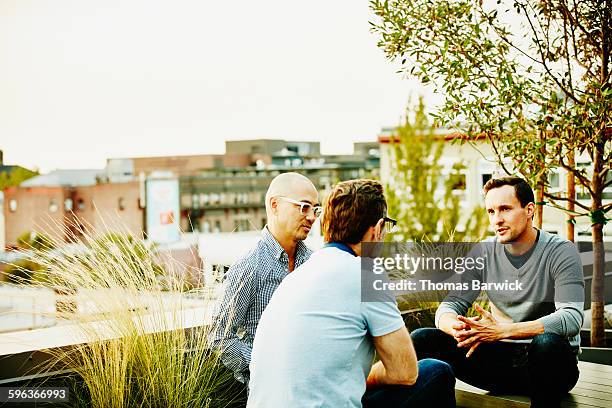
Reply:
x=459 y=327
x=480 y=329
x=377 y=371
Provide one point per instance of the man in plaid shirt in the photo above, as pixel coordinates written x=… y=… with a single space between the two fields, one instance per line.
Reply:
x=292 y=206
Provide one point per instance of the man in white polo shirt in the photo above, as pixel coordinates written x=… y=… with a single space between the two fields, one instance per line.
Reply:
x=315 y=342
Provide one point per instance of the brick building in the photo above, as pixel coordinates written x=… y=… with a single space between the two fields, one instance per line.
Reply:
x=61 y=202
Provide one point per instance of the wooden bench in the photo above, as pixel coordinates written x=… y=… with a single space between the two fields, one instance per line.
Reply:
x=594 y=389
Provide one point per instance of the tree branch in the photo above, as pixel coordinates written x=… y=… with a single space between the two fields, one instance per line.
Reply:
x=574 y=22
x=550 y=74
x=571 y=200
x=499 y=156
x=567 y=53
x=585 y=182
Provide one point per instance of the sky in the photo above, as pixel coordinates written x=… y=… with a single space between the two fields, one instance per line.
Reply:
x=86 y=80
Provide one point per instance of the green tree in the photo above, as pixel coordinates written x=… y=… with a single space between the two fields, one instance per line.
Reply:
x=533 y=76
x=15 y=177
x=417 y=180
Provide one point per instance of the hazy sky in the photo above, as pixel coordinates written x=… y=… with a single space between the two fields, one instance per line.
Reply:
x=84 y=80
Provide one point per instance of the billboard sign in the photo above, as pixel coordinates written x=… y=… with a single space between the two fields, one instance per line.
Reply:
x=162 y=210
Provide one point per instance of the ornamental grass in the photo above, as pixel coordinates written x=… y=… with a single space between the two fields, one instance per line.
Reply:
x=138 y=330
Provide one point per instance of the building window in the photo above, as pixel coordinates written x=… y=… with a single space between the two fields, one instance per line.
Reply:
x=241 y=225
x=553 y=180
x=13 y=205
x=68 y=204
x=81 y=204
x=217 y=226
x=53 y=207
x=206 y=227
x=185 y=201
x=121 y=203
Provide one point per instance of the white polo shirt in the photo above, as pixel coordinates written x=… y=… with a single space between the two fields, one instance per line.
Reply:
x=313 y=345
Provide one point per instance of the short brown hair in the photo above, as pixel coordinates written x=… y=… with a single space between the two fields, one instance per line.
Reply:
x=351 y=208
x=522 y=189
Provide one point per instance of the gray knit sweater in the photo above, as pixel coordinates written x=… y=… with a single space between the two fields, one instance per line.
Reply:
x=552 y=286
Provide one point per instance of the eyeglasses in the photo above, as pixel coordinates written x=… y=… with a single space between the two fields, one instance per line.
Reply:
x=305 y=208
x=390 y=225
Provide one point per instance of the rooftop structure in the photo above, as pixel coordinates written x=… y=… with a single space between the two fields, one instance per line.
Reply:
x=65 y=178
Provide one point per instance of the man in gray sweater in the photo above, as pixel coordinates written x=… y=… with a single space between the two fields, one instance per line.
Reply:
x=529 y=341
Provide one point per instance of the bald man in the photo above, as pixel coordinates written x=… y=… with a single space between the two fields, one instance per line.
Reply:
x=292 y=206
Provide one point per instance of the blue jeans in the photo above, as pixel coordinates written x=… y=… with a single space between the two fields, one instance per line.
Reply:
x=435 y=387
x=545 y=369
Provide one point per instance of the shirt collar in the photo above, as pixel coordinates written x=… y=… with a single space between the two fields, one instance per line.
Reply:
x=301 y=250
x=341 y=246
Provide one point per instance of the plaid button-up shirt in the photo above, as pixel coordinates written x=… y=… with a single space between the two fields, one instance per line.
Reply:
x=249 y=285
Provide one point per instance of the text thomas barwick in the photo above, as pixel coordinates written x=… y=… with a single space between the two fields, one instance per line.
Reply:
x=425 y=284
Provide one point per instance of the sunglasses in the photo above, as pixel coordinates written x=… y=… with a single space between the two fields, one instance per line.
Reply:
x=390 y=225
x=305 y=208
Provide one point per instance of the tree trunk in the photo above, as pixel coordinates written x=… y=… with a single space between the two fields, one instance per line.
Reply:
x=539 y=207
x=571 y=194
x=541 y=184
x=597 y=284
x=597 y=289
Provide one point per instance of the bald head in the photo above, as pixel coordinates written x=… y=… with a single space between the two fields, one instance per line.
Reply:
x=288 y=185
x=285 y=218
x=291 y=201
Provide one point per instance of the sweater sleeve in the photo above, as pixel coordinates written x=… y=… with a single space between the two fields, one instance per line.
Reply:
x=566 y=321
x=455 y=305
x=568 y=278
x=459 y=301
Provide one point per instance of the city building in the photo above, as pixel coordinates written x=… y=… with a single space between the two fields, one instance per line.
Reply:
x=10 y=175
x=64 y=202
x=217 y=193
x=226 y=199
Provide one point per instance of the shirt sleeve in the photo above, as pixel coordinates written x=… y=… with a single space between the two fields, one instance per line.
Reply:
x=382 y=317
x=568 y=278
x=230 y=317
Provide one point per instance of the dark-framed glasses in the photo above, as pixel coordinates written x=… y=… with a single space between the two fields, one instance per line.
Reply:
x=390 y=225
x=305 y=207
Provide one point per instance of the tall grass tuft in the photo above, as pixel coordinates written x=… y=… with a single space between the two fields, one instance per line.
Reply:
x=419 y=308
x=140 y=339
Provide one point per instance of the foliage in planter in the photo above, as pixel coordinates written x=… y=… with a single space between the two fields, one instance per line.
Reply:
x=27 y=270
x=419 y=308
x=137 y=352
